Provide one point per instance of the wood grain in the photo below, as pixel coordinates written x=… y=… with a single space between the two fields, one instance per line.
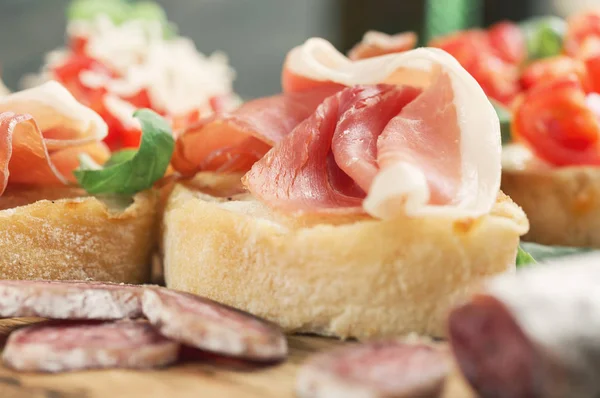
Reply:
x=203 y=378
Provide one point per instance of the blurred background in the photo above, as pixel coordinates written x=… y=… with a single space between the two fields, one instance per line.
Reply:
x=256 y=34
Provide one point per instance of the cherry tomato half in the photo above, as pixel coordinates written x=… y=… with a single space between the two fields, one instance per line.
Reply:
x=549 y=69
x=582 y=38
x=554 y=121
x=508 y=41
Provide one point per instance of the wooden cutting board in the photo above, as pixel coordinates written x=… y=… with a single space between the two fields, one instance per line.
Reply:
x=203 y=379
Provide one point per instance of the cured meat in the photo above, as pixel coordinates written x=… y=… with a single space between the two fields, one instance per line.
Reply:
x=439 y=155
x=330 y=160
x=376 y=43
x=69 y=300
x=378 y=369
x=233 y=142
x=210 y=326
x=79 y=346
x=42 y=132
x=533 y=334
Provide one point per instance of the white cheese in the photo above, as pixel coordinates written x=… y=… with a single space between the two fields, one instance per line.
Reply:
x=178 y=78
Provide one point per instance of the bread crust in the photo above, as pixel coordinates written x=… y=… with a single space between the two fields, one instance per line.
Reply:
x=355 y=278
x=562 y=204
x=60 y=233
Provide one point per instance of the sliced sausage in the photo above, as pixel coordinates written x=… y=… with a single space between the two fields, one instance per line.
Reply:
x=533 y=334
x=76 y=346
x=390 y=369
x=69 y=300
x=210 y=326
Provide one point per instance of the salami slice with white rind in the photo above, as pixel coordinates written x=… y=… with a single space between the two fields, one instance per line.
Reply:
x=69 y=300
x=210 y=326
x=390 y=369
x=533 y=334
x=79 y=346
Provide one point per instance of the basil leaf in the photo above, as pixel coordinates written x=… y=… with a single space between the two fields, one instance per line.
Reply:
x=543 y=36
x=120 y=157
x=505 y=118
x=544 y=253
x=127 y=173
x=524 y=258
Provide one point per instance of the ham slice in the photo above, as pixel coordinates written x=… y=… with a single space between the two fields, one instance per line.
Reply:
x=329 y=161
x=440 y=155
x=376 y=43
x=234 y=141
x=42 y=132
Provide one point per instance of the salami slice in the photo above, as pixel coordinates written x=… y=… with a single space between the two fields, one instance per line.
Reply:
x=69 y=300
x=210 y=326
x=533 y=334
x=79 y=346
x=390 y=369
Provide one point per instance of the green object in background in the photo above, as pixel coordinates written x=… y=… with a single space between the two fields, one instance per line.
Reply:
x=544 y=36
x=530 y=253
x=120 y=11
x=524 y=258
x=543 y=253
x=116 y=10
x=446 y=16
x=505 y=118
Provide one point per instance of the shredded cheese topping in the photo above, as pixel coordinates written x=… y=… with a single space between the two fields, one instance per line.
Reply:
x=177 y=76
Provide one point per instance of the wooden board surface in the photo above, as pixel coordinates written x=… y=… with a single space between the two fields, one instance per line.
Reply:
x=197 y=379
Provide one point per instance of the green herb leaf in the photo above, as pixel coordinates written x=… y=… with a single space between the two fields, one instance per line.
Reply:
x=128 y=172
x=544 y=36
x=524 y=258
x=120 y=157
x=543 y=253
x=505 y=118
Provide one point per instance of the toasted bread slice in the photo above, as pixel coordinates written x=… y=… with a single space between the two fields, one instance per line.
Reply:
x=341 y=277
x=61 y=233
x=562 y=204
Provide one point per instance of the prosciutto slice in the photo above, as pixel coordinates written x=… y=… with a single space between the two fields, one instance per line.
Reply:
x=234 y=141
x=329 y=161
x=42 y=132
x=375 y=43
x=439 y=155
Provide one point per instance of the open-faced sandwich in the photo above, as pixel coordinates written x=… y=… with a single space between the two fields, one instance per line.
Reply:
x=363 y=200
x=543 y=76
x=63 y=220
x=123 y=55
x=551 y=167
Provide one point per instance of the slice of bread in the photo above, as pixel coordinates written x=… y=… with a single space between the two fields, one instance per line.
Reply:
x=562 y=204
x=341 y=277
x=60 y=233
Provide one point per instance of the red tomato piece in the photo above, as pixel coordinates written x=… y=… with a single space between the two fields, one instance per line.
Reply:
x=548 y=69
x=554 y=121
x=499 y=79
x=78 y=44
x=140 y=100
x=473 y=49
x=464 y=45
x=592 y=65
x=130 y=137
x=582 y=38
x=508 y=41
